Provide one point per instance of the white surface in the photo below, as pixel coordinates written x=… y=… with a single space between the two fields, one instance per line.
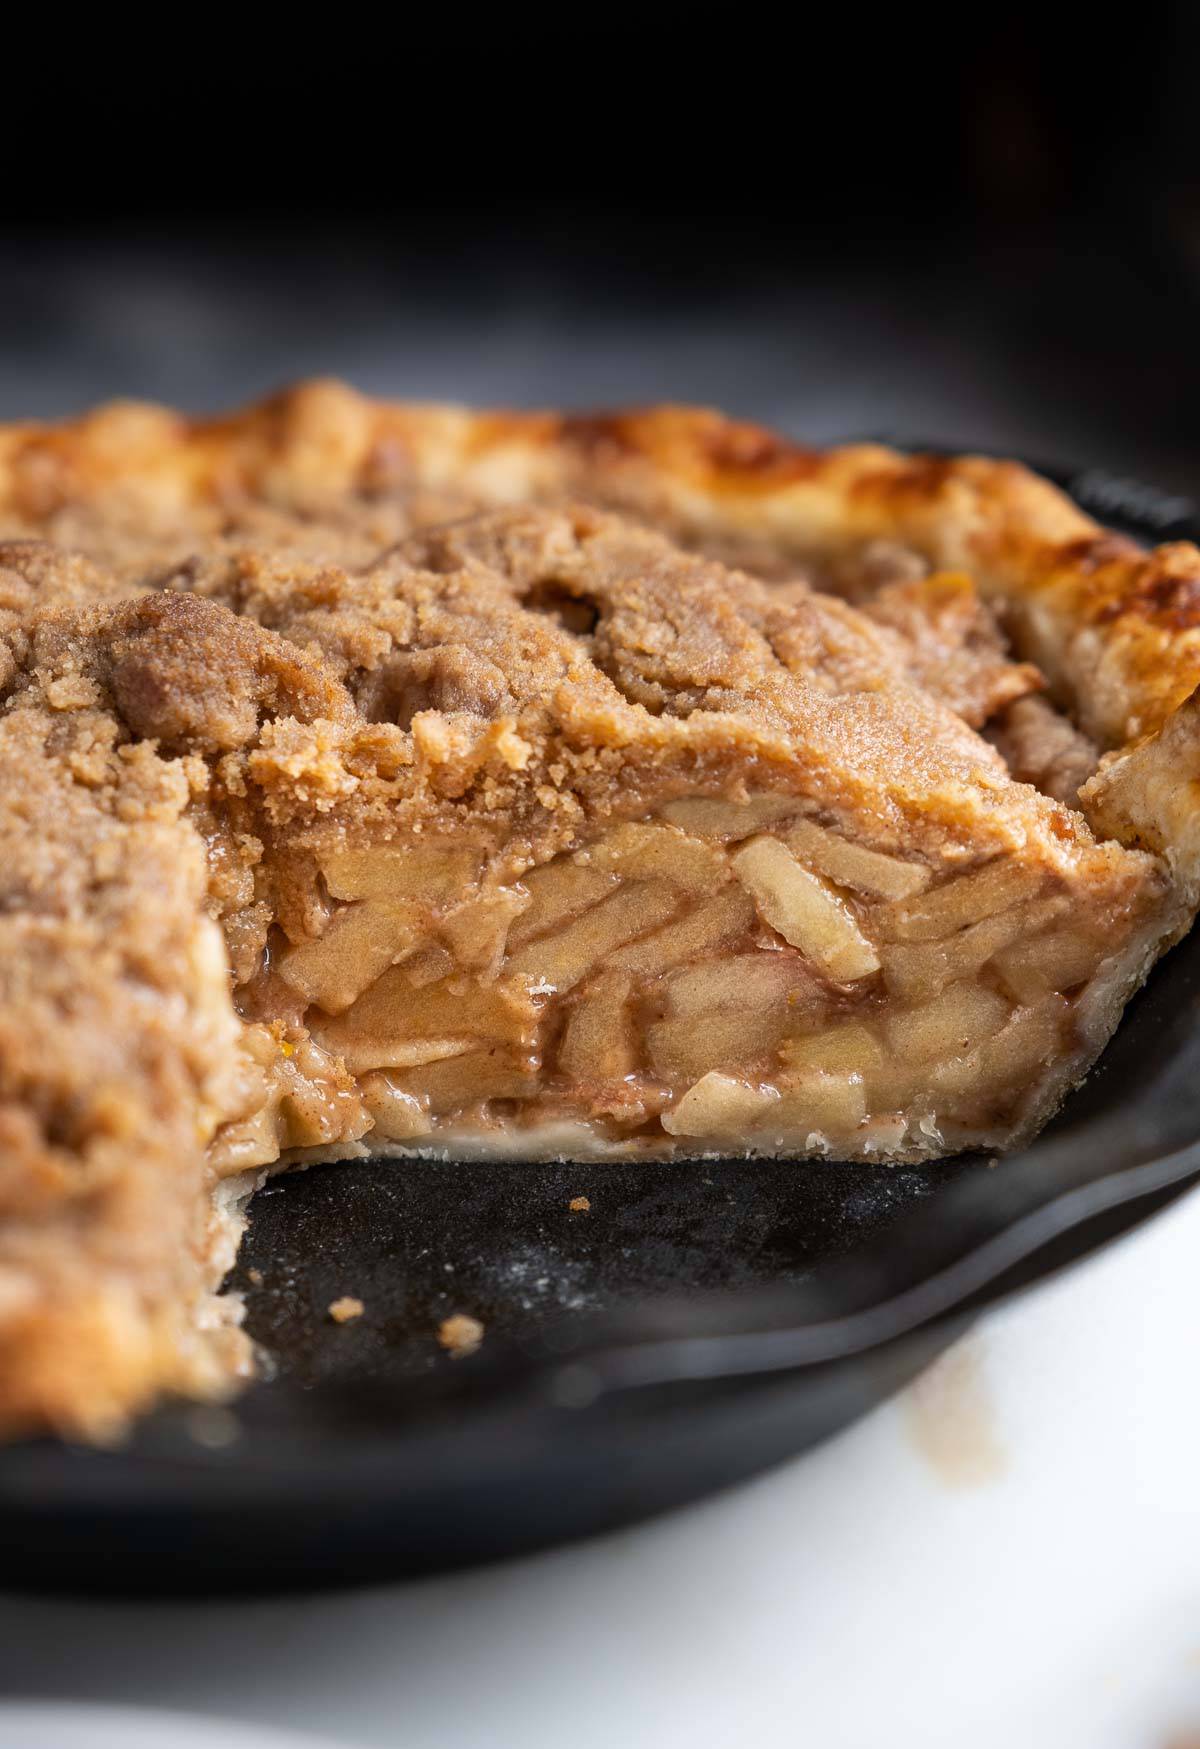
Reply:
x=42 y=1726
x=1007 y=1557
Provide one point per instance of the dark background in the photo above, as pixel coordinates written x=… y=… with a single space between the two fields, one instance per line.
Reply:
x=979 y=230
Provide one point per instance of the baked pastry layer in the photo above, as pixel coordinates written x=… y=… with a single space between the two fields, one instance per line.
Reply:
x=361 y=787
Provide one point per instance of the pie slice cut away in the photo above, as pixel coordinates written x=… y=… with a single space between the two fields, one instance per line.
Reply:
x=346 y=810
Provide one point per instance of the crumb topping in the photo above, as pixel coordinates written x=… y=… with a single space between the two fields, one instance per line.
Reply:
x=460 y=1335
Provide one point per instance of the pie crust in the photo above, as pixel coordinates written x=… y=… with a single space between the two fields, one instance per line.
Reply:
x=391 y=778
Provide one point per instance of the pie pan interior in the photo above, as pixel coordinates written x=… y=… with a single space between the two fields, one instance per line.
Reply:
x=698 y=1322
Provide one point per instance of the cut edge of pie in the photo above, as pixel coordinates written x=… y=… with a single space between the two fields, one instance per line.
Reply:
x=368 y=785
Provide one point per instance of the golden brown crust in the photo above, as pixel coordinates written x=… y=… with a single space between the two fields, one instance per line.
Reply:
x=1148 y=796
x=1116 y=629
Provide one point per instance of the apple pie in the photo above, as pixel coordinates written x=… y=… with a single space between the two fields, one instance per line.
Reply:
x=387 y=779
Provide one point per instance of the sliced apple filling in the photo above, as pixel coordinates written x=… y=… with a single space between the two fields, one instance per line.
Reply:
x=730 y=975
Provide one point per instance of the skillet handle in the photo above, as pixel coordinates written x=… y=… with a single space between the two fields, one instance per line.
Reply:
x=1073 y=1224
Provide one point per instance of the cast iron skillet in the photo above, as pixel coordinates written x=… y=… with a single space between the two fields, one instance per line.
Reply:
x=696 y=1324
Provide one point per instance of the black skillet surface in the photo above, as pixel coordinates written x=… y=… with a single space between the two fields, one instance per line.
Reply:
x=697 y=1323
